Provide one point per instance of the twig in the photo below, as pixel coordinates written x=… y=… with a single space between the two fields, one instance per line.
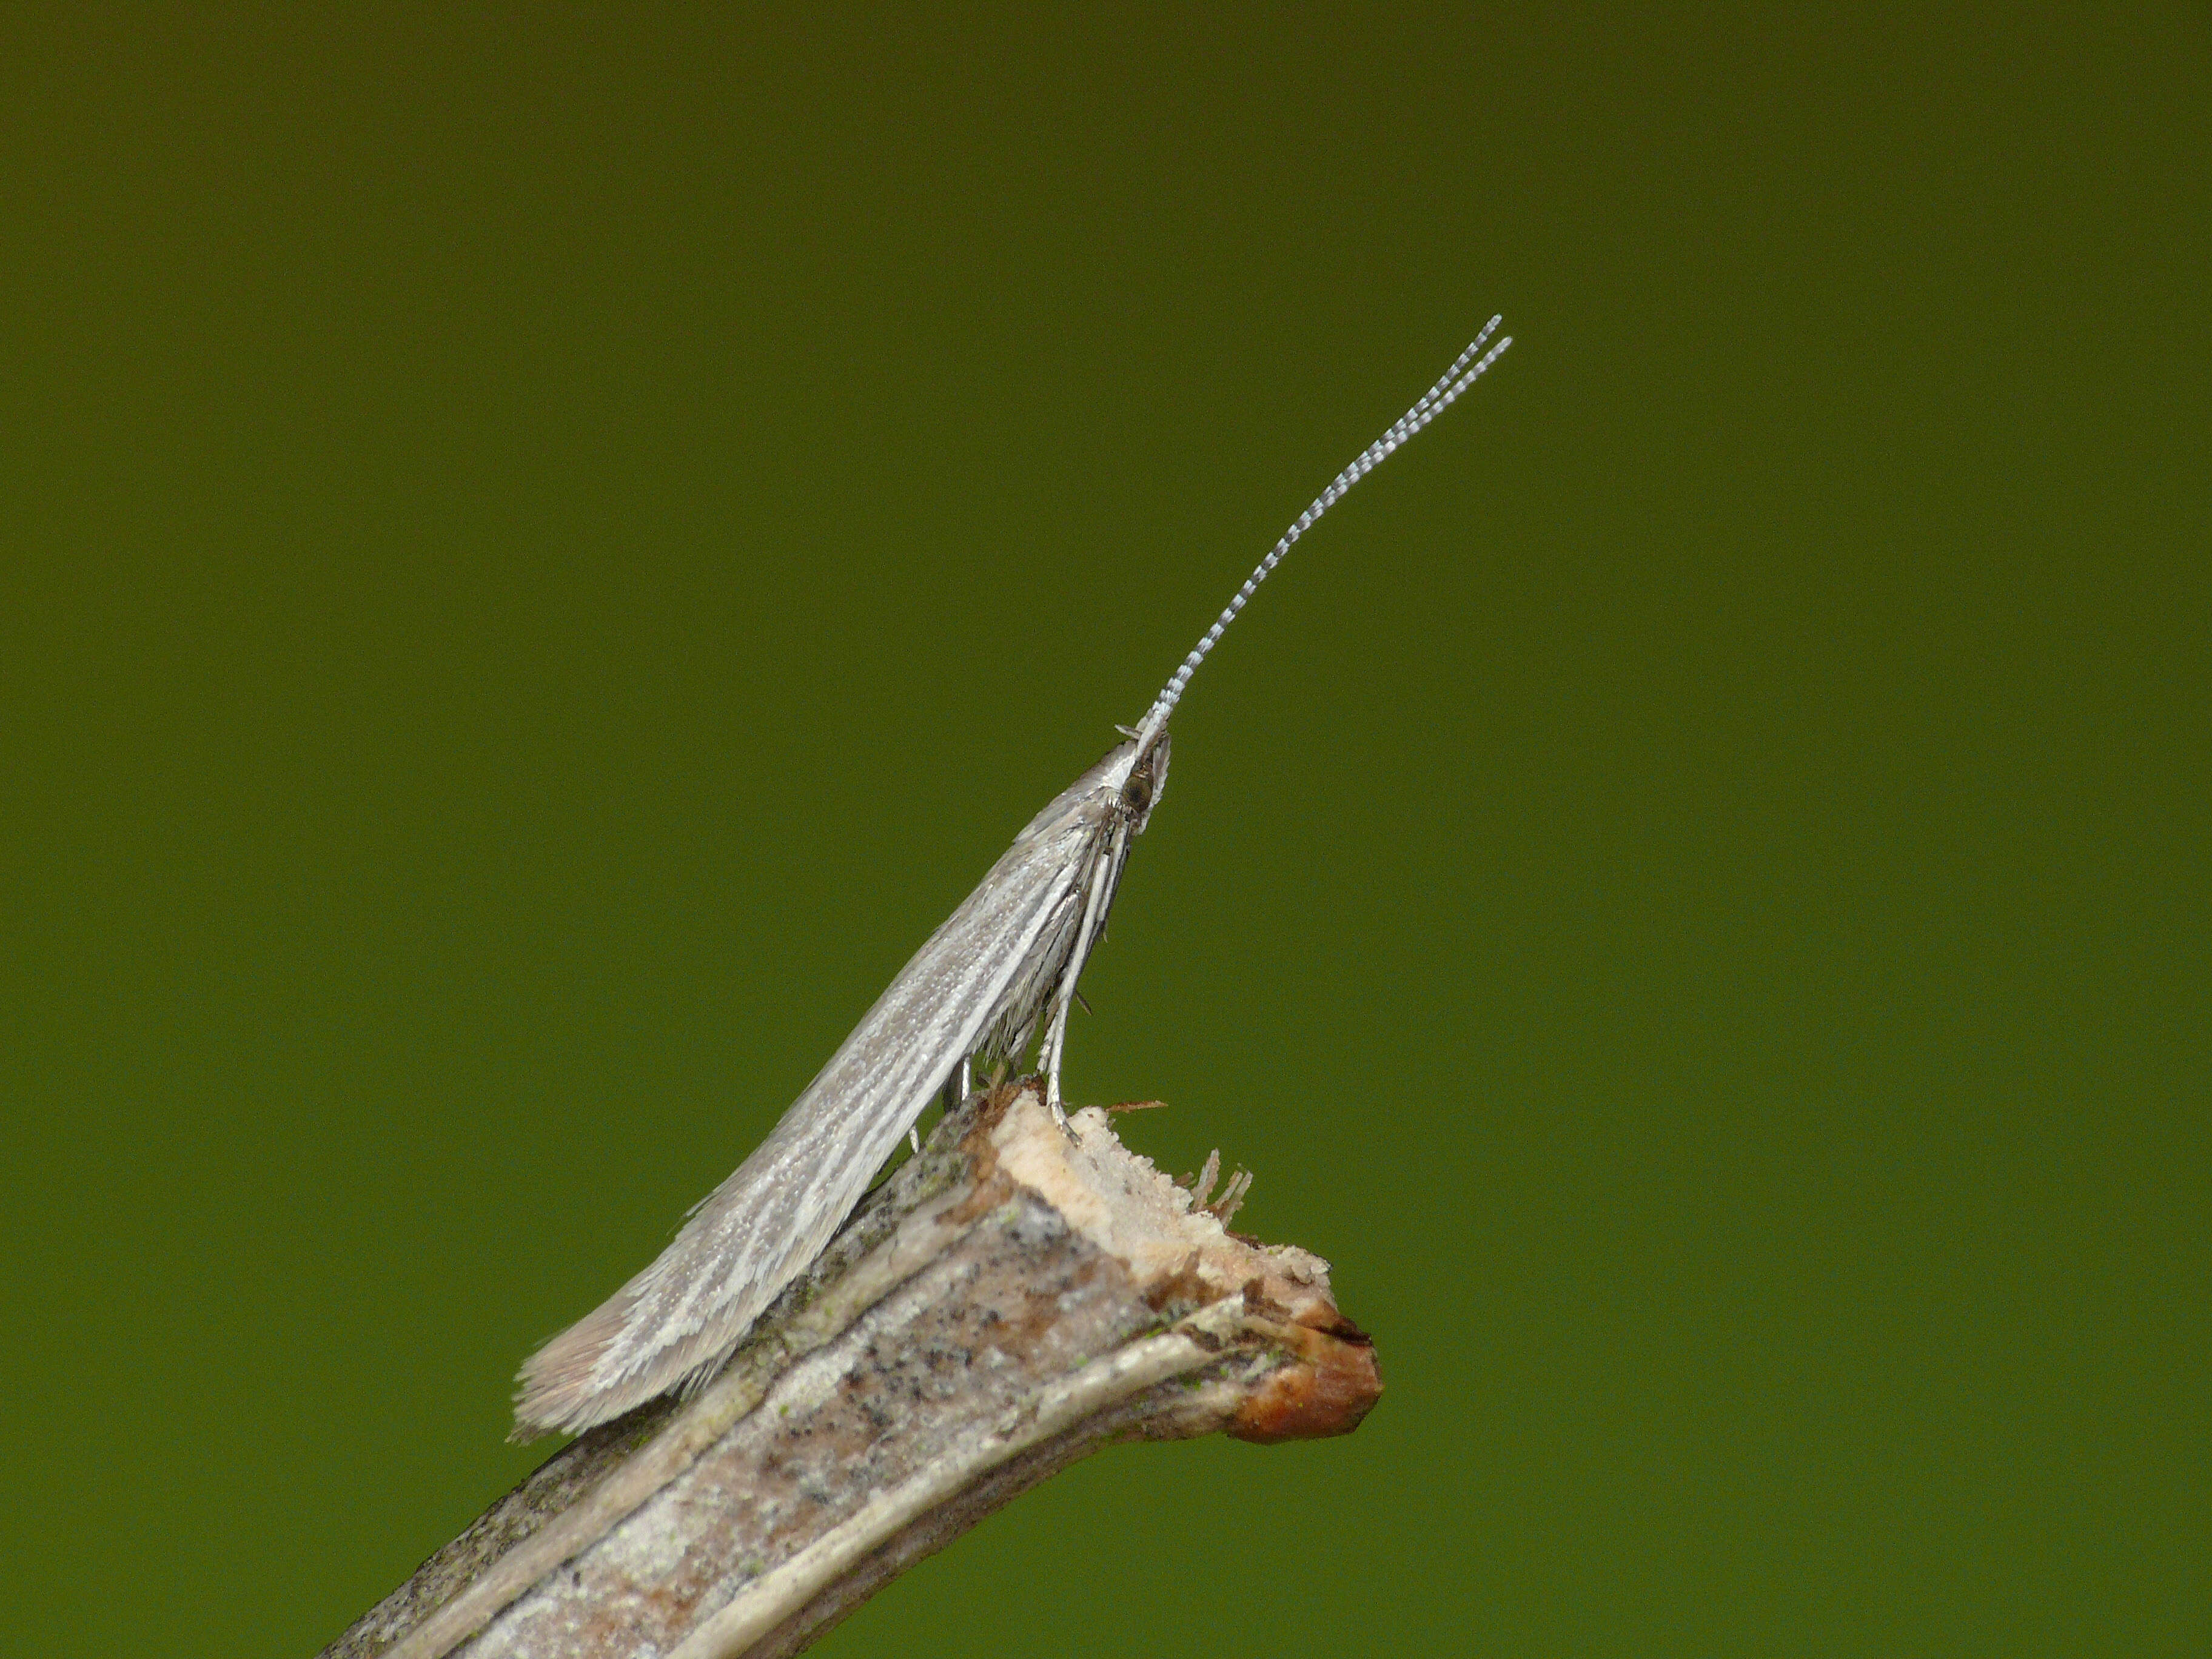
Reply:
x=1005 y=1304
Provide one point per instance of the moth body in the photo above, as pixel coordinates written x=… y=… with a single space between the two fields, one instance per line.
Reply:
x=1007 y=959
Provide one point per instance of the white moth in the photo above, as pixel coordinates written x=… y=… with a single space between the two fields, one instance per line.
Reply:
x=1005 y=961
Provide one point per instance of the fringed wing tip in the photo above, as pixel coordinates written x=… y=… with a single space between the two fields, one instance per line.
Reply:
x=561 y=1392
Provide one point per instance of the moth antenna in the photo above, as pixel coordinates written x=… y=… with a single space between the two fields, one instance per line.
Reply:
x=1431 y=403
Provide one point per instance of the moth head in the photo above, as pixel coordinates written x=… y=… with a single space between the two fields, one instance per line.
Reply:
x=1111 y=785
x=1147 y=780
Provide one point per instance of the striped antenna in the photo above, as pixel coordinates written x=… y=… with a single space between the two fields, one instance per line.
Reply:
x=1431 y=404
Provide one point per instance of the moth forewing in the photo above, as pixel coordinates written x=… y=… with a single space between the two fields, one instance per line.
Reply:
x=978 y=984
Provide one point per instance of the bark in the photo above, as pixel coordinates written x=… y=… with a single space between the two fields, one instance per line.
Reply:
x=1006 y=1304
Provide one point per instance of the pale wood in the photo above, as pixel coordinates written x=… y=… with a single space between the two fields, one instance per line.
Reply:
x=1004 y=1305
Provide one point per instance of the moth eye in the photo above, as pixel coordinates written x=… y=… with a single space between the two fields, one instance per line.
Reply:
x=1137 y=793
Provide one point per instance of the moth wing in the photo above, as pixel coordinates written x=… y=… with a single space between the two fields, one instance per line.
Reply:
x=753 y=1234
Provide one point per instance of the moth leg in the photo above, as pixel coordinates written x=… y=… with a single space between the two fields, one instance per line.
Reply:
x=1099 y=888
x=914 y=1138
x=1055 y=1039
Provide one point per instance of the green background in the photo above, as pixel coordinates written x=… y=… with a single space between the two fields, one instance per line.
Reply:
x=545 y=550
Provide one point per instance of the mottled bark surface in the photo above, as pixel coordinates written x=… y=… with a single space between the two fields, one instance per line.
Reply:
x=1006 y=1304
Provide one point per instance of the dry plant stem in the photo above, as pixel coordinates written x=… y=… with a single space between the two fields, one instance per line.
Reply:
x=1005 y=1304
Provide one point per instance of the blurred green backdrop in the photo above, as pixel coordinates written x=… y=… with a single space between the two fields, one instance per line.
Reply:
x=545 y=550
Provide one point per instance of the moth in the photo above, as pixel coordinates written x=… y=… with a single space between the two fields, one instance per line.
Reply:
x=1000 y=973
